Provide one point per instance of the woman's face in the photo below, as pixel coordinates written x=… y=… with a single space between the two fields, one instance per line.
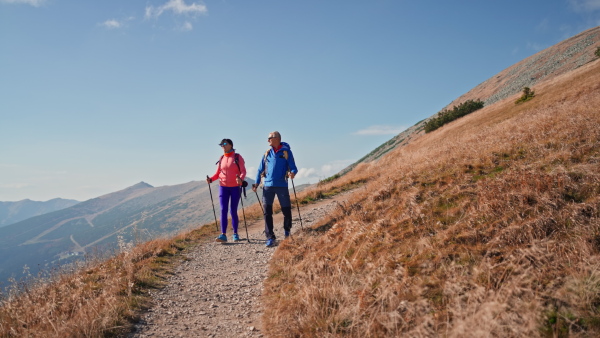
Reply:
x=226 y=147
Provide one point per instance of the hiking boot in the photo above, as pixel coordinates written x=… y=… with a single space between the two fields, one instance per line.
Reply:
x=287 y=234
x=236 y=237
x=270 y=242
x=222 y=238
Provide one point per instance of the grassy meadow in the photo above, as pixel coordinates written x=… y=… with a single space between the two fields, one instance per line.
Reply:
x=488 y=226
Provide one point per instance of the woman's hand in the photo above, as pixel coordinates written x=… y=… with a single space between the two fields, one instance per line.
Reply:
x=238 y=180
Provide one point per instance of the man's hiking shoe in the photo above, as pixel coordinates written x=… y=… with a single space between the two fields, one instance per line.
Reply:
x=236 y=237
x=270 y=242
x=222 y=238
x=287 y=234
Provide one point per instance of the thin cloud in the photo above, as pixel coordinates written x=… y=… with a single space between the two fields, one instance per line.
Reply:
x=251 y=172
x=186 y=27
x=15 y=185
x=306 y=173
x=178 y=7
x=112 y=24
x=585 y=5
x=381 y=130
x=543 y=26
x=34 y=3
x=314 y=175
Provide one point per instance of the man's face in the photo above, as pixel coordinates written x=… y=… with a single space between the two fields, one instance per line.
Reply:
x=273 y=140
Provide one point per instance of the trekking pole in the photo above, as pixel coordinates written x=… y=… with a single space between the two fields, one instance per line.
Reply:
x=261 y=208
x=213 y=204
x=243 y=213
x=298 y=205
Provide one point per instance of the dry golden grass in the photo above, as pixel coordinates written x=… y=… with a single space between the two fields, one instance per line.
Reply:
x=489 y=226
x=104 y=297
x=98 y=300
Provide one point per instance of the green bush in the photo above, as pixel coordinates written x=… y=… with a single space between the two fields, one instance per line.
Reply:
x=329 y=179
x=528 y=94
x=597 y=53
x=447 y=116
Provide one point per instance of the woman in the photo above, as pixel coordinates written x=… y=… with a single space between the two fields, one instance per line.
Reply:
x=231 y=172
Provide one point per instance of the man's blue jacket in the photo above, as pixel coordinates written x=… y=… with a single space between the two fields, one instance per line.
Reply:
x=275 y=165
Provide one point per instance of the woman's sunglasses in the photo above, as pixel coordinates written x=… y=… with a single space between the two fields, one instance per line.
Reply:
x=224 y=144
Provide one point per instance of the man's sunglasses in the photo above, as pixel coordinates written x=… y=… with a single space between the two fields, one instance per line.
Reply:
x=223 y=144
x=271 y=137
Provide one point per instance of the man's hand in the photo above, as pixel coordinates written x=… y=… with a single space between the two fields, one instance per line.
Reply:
x=254 y=186
x=291 y=175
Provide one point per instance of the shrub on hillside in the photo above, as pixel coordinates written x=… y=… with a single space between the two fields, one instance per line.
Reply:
x=447 y=116
x=597 y=53
x=329 y=179
x=528 y=94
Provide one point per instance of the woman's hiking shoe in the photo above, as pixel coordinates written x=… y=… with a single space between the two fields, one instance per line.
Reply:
x=270 y=242
x=222 y=238
x=236 y=237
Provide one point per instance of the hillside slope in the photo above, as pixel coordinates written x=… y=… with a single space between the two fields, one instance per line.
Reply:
x=13 y=212
x=545 y=65
x=135 y=214
x=489 y=226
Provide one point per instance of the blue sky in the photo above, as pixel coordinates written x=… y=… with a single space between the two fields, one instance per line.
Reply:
x=96 y=96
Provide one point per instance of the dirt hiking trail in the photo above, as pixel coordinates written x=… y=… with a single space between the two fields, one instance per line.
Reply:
x=215 y=291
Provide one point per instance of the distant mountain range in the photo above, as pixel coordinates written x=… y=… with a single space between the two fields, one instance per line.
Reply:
x=13 y=212
x=135 y=214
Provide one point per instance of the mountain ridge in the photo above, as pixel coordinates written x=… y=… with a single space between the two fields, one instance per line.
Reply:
x=547 y=64
x=136 y=213
x=13 y=212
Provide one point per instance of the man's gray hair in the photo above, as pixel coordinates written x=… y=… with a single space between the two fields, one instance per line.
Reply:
x=276 y=134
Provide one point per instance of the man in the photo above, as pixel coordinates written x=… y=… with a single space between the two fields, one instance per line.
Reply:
x=276 y=166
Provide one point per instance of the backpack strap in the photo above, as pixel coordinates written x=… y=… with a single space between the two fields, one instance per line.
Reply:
x=219 y=161
x=236 y=160
x=264 y=173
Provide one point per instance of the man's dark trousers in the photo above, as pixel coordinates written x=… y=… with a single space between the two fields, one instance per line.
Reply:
x=283 y=195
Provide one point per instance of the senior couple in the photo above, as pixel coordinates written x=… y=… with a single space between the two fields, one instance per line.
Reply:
x=276 y=165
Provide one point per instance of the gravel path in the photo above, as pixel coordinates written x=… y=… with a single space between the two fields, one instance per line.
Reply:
x=216 y=291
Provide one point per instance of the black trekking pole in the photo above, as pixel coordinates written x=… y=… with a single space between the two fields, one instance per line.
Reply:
x=213 y=204
x=261 y=208
x=243 y=213
x=297 y=204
